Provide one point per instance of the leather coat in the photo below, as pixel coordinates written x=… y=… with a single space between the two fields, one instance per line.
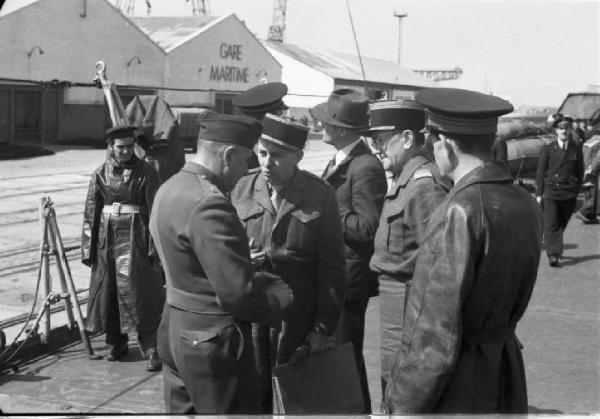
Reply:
x=473 y=279
x=120 y=246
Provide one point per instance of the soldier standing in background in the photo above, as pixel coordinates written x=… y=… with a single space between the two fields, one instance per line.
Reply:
x=558 y=181
x=293 y=217
x=358 y=179
x=204 y=337
x=417 y=191
x=126 y=288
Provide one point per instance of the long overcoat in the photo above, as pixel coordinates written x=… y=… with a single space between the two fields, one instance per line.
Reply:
x=120 y=247
x=473 y=279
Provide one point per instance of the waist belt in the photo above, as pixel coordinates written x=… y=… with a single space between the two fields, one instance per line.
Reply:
x=194 y=303
x=117 y=209
x=475 y=337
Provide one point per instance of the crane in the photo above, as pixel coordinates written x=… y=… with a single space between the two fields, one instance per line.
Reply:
x=128 y=6
x=277 y=28
x=200 y=7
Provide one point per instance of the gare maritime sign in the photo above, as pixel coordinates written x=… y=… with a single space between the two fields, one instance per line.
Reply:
x=230 y=73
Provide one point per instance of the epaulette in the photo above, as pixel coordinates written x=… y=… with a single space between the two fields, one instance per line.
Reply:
x=422 y=173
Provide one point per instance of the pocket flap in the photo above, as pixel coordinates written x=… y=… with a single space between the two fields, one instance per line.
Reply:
x=195 y=337
x=249 y=211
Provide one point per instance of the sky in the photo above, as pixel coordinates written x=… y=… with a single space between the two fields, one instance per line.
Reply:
x=532 y=52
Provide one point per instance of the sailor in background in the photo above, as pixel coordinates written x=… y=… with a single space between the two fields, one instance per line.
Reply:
x=418 y=189
x=558 y=181
x=126 y=287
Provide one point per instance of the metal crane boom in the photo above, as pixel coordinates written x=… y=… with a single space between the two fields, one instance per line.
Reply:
x=277 y=28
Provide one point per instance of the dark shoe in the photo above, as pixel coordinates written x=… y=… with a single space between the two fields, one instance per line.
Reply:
x=553 y=261
x=153 y=363
x=117 y=352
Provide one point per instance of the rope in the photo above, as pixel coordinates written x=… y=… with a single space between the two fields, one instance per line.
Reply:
x=362 y=68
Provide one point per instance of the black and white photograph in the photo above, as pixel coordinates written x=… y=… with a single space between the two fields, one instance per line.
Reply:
x=266 y=208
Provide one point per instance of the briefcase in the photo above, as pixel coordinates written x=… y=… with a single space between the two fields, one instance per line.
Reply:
x=325 y=383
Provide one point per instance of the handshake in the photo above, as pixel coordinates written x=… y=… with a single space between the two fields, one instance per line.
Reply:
x=278 y=291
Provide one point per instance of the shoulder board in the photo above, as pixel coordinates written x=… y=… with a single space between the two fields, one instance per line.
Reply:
x=422 y=173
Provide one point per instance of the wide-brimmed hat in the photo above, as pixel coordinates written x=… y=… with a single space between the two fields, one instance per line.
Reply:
x=345 y=108
x=392 y=115
x=284 y=132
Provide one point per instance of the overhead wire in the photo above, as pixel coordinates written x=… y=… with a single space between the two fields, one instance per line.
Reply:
x=362 y=67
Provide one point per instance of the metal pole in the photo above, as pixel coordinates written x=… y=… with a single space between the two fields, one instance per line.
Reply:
x=71 y=287
x=45 y=272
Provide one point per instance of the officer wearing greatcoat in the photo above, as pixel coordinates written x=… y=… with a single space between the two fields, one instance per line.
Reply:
x=293 y=217
x=417 y=190
x=204 y=338
x=474 y=273
x=558 y=181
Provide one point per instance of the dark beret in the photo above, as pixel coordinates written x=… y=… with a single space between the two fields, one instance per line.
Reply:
x=262 y=98
x=125 y=131
x=235 y=129
x=284 y=132
x=459 y=111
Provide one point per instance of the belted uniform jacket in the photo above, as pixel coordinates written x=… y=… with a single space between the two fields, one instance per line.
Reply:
x=120 y=247
x=204 y=250
x=559 y=172
x=414 y=195
x=303 y=241
x=473 y=280
x=360 y=184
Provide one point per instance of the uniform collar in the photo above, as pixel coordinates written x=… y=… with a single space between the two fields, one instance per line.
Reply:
x=487 y=173
x=410 y=168
x=204 y=173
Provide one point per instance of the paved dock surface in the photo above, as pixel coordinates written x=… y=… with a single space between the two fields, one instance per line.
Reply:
x=560 y=329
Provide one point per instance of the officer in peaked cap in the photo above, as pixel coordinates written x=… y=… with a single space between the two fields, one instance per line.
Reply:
x=212 y=292
x=417 y=190
x=474 y=275
x=293 y=216
x=259 y=100
x=558 y=181
x=360 y=185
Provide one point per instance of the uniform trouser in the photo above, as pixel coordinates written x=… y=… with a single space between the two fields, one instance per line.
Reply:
x=114 y=337
x=264 y=342
x=589 y=209
x=556 y=217
x=208 y=364
x=352 y=329
x=391 y=308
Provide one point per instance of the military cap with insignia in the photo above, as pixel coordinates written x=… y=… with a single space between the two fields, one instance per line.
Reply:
x=235 y=129
x=391 y=115
x=262 y=99
x=463 y=112
x=346 y=108
x=559 y=118
x=125 y=131
x=283 y=132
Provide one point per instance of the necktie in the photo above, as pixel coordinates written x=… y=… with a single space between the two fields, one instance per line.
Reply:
x=330 y=166
x=275 y=199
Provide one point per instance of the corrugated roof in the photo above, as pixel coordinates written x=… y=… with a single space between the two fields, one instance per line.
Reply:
x=170 y=32
x=347 y=66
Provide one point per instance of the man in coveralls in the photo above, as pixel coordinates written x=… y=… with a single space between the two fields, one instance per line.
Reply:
x=474 y=273
x=204 y=338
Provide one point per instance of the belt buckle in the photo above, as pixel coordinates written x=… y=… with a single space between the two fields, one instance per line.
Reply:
x=116 y=208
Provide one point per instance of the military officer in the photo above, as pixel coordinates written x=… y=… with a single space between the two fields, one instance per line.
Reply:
x=126 y=287
x=258 y=101
x=474 y=274
x=417 y=190
x=293 y=217
x=558 y=181
x=204 y=338
x=360 y=185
